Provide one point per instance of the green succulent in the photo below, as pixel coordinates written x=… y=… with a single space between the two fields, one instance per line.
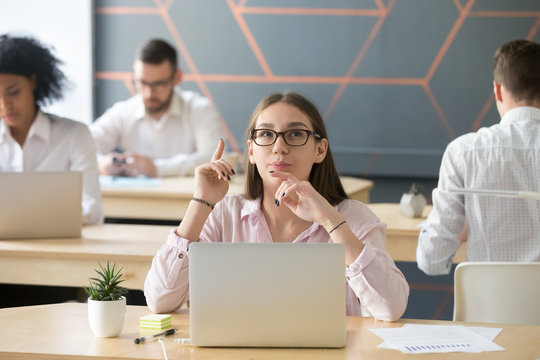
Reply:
x=415 y=189
x=106 y=286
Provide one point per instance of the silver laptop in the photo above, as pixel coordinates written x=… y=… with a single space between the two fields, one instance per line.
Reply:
x=267 y=295
x=40 y=204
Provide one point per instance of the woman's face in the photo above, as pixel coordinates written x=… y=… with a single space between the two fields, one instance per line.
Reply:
x=297 y=160
x=17 y=105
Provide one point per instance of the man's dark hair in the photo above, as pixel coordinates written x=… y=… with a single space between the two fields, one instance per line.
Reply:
x=28 y=57
x=517 y=67
x=156 y=51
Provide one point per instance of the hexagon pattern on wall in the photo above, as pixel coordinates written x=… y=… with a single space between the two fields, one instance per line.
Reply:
x=395 y=80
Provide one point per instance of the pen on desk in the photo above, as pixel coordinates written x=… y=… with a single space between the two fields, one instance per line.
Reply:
x=145 y=338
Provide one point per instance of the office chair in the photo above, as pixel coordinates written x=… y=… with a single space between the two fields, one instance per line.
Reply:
x=497 y=292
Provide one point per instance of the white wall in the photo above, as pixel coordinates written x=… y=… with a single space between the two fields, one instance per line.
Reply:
x=66 y=25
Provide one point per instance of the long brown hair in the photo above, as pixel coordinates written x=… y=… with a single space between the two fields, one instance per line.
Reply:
x=324 y=176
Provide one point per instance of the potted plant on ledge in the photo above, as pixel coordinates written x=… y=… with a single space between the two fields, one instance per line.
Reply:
x=106 y=302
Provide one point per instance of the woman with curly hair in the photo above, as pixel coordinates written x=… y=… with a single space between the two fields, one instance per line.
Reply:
x=32 y=140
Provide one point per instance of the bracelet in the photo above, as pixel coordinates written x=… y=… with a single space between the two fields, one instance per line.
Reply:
x=203 y=202
x=338 y=225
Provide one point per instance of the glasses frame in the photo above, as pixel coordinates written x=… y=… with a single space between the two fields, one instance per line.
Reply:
x=282 y=133
x=160 y=85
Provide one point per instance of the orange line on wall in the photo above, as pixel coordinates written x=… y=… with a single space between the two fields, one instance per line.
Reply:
x=533 y=30
x=193 y=69
x=458 y=5
x=449 y=39
x=357 y=60
x=125 y=10
x=249 y=37
x=311 y=11
x=442 y=306
x=111 y=75
x=380 y=5
x=371 y=165
x=439 y=111
x=129 y=85
x=510 y=14
x=387 y=81
x=485 y=109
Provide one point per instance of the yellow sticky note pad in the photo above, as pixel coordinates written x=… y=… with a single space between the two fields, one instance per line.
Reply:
x=155 y=321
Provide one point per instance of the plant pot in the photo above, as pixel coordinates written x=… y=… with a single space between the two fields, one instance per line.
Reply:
x=106 y=318
x=412 y=205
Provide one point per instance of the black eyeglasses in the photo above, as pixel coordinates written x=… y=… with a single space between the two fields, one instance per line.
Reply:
x=154 y=86
x=293 y=137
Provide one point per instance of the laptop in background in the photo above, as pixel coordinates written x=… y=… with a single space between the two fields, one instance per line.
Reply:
x=40 y=204
x=267 y=294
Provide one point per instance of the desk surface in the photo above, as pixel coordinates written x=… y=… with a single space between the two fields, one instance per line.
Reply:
x=402 y=232
x=70 y=261
x=170 y=199
x=61 y=331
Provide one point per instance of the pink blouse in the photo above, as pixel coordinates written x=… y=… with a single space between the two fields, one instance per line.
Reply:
x=375 y=286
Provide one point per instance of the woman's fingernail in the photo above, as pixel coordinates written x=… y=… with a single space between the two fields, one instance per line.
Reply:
x=228 y=178
x=223 y=173
x=282 y=195
x=271 y=171
x=232 y=170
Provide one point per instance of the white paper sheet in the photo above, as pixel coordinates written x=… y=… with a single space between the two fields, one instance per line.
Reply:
x=419 y=339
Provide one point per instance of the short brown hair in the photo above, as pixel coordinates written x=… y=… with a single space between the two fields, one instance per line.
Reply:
x=324 y=176
x=156 y=51
x=517 y=67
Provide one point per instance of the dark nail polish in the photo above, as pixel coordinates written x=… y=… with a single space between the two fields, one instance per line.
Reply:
x=223 y=172
x=228 y=178
x=271 y=171
x=234 y=173
x=283 y=195
x=277 y=202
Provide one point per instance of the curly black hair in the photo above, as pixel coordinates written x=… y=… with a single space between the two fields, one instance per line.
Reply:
x=28 y=57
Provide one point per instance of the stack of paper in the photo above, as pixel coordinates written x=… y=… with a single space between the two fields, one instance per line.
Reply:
x=418 y=339
x=155 y=321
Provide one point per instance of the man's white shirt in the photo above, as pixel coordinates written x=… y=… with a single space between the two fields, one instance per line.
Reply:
x=505 y=156
x=185 y=136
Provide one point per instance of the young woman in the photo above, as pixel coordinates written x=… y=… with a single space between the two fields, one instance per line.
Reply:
x=293 y=194
x=31 y=140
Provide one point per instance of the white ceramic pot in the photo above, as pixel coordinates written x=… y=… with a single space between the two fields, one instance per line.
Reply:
x=412 y=205
x=106 y=318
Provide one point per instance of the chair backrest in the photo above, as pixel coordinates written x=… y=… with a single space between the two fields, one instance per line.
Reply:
x=497 y=292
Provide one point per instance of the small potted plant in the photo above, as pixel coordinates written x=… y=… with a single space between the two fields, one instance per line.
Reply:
x=412 y=203
x=106 y=302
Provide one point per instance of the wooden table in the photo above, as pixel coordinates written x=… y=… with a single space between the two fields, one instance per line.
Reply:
x=402 y=232
x=70 y=261
x=170 y=199
x=61 y=331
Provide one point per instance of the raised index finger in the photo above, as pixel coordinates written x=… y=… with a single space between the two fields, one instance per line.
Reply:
x=219 y=150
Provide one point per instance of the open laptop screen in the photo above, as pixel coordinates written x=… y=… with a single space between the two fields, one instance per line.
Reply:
x=267 y=295
x=40 y=204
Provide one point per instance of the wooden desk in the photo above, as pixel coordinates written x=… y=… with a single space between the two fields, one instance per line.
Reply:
x=61 y=331
x=70 y=261
x=170 y=199
x=402 y=232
